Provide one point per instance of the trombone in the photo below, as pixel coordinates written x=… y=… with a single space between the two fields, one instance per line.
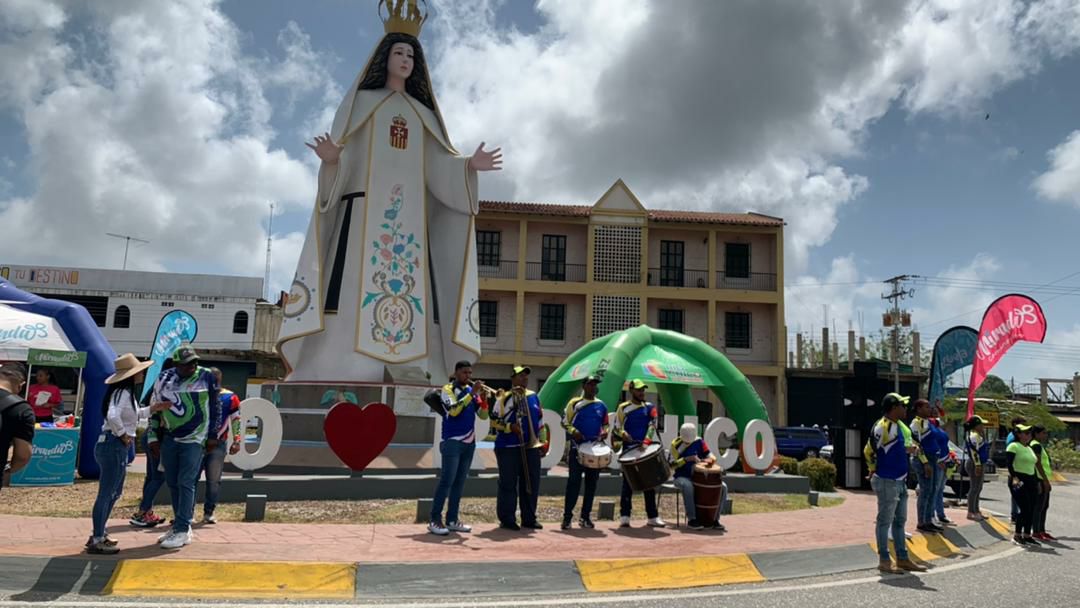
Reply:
x=522 y=404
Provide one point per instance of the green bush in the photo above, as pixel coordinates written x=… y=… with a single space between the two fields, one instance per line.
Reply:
x=821 y=472
x=789 y=465
x=1062 y=455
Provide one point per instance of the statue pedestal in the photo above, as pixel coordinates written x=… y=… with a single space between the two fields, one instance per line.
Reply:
x=303 y=407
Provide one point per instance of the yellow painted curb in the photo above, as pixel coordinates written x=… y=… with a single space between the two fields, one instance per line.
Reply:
x=925 y=547
x=185 y=578
x=636 y=574
x=1059 y=478
x=1001 y=528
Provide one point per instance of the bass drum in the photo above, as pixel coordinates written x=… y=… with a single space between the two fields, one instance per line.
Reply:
x=708 y=491
x=645 y=467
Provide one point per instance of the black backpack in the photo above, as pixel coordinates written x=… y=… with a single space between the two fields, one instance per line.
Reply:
x=7 y=400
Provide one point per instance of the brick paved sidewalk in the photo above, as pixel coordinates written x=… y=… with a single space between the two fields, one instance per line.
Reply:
x=849 y=523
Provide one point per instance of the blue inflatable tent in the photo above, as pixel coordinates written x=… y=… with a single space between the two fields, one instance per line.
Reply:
x=84 y=335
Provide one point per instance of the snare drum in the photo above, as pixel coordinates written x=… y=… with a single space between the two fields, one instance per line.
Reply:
x=645 y=467
x=594 y=455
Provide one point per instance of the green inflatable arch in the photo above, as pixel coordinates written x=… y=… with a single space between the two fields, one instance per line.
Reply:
x=672 y=362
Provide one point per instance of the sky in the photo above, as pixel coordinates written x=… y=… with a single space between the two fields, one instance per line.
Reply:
x=933 y=138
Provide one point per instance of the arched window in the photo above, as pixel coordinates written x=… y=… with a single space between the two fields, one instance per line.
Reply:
x=240 y=323
x=122 y=317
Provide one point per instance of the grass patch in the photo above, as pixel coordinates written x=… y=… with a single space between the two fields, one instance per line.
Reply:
x=78 y=500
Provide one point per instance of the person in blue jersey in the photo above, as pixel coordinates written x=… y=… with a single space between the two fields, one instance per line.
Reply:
x=927 y=470
x=886 y=452
x=941 y=443
x=977 y=449
x=585 y=419
x=635 y=426
x=688 y=450
x=463 y=402
x=517 y=420
x=182 y=434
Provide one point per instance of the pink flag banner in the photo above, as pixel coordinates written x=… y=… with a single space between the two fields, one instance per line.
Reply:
x=1008 y=320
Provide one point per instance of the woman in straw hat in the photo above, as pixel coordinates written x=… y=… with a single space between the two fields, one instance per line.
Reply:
x=121 y=411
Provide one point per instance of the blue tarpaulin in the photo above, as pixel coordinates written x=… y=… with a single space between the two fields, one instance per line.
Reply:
x=85 y=336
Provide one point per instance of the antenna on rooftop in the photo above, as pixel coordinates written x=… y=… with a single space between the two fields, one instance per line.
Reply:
x=127 y=243
x=269 y=246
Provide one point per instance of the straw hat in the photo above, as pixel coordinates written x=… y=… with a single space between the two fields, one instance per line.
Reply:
x=127 y=365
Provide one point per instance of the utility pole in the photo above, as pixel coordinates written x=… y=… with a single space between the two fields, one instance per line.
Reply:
x=127 y=243
x=269 y=244
x=895 y=296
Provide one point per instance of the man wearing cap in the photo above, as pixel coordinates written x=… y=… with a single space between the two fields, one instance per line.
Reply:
x=183 y=433
x=585 y=419
x=635 y=425
x=517 y=421
x=886 y=452
x=927 y=469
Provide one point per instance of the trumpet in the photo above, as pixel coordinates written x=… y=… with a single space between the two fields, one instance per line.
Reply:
x=485 y=391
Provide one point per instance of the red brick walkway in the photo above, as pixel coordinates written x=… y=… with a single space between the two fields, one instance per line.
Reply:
x=850 y=523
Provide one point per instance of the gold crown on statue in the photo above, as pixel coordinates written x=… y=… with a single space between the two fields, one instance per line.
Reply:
x=403 y=16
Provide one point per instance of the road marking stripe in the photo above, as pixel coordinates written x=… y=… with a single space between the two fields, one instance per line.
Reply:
x=600 y=575
x=925 y=547
x=188 y=578
x=1001 y=528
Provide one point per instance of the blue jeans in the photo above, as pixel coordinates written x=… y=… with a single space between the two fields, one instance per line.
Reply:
x=111 y=455
x=152 y=482
x=892 y=512
x=183 y=461
x=927 y=500
x=686 y=486
x=456 y=459
x=939 y=491
x=213 y=465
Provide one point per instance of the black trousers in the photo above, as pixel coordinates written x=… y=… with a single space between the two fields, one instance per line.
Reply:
x=627 y=499
x=1026 y=496
x=1042 y=505
x=573 y=487
x=511 y=488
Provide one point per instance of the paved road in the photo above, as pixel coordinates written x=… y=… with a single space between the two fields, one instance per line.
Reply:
x=1002 y=577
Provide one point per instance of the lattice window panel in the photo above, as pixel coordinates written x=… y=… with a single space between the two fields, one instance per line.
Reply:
x=615 y=313
x=617 y=254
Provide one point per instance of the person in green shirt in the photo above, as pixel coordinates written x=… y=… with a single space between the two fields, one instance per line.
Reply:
x=1024 y=483
x=1045 y=473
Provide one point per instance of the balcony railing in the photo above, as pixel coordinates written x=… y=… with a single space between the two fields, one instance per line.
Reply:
x=675 y=277
x=755 y=281
x=546 y=271
x=506 y=269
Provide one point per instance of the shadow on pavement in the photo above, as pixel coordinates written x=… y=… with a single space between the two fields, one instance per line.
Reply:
x=906 y=581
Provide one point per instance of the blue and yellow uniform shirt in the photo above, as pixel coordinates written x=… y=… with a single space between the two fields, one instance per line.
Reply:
x=586 y=416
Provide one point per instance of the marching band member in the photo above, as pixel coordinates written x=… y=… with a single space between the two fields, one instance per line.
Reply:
x=635 y=425
x=687 y=450
x=463 y=401
x=585 y=419
x=517 y=421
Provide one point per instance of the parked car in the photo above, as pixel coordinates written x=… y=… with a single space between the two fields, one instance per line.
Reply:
x=826 y=452
x=800 y=441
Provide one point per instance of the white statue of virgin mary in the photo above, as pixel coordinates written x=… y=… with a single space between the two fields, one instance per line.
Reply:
x=387 y=274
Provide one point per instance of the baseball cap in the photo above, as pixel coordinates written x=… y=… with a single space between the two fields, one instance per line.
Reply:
x=1022 y=428
x=975 y=421
x=520 y=369
x=590 y=378
x=638 y=384
x=184 y=355
x=894 y=399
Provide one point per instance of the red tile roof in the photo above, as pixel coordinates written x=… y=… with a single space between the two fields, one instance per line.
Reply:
x=656 y=215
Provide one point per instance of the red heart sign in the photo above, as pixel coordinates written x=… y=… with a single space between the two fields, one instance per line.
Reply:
x=357 y=435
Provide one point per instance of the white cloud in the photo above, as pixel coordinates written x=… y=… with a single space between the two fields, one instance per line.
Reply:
x=166 y=136
x=722 y=105
x=1061 y=182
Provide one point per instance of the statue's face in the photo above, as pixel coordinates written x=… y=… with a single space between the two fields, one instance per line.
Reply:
x=400 y=63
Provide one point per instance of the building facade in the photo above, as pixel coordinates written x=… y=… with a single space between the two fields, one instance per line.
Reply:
x=127 y=305
x=553 y=277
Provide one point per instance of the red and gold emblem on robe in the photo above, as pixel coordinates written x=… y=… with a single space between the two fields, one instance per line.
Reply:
x=399 y=133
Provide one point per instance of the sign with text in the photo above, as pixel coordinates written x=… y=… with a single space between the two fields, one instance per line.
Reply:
x=52 y=462
x=56 y=358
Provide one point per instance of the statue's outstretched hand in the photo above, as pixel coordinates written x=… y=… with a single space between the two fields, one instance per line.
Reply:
x=325 y=148
x=484 y=160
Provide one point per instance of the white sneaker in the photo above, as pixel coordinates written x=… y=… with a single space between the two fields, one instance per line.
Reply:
x=656 y=522
x=457 y=526
x=437 y=529
x=164 y=537
x=177 y=540
x=209 y=519
x=624 y=522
